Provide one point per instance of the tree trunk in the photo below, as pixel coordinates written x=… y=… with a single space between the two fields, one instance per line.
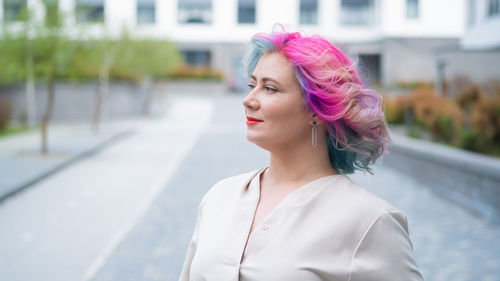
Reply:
x=48 y=113
x=30 y=83
x=30 y=102
x=148 y=94
x=102 y=94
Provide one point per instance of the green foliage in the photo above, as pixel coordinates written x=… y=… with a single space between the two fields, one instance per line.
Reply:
x=42 y=52
x=38 y=50
x=469 y=97
x=79 y=60
x=199 y=73
x=147 y=57
x=413 y=85
x=394 y=109
x=478 y=142
x=444 y=128
x=53 y=18
x=470 y=121
x=12 y=53
x=15 y=47
x=415 y=132
x=52 y=50
x=124 y=58
x=7 y=131
x=469 y=140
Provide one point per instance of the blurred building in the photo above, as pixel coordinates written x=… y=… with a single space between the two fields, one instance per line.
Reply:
x=394 y=39
x=483 y=25
x=478 y=56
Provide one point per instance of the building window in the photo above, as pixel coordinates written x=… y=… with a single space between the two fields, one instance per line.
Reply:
x=13 y=10
x=356 y=12
x=471 y=13
x=308 y=11
x=370 y=69
x=146 y=11
x=493 y=8
x=196 y=57
x=246 y=11
x=411 y=9
x=90 y=11
x=195 y=11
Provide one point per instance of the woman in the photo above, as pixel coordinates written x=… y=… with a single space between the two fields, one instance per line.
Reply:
x=302 y=218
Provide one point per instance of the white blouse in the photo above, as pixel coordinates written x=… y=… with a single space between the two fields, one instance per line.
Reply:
x=328 y=229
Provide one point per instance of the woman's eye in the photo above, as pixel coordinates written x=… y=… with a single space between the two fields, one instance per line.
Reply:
x=271 y=89
x=251 y=86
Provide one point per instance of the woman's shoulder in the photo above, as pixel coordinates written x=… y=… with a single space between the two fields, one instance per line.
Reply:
x=356 y=201
x=356 y=195
x=242 y=178
x=229 y=186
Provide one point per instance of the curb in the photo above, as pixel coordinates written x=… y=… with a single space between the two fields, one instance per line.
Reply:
x=469 y=179
x=71 y=160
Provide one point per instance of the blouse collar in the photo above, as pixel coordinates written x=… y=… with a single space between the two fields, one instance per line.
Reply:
x=300 y=195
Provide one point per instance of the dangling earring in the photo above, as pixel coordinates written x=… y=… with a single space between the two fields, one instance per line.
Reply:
x=314 y=135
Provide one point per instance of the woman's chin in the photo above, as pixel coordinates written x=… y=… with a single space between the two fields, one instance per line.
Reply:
x=258 y=141
x=252 y=137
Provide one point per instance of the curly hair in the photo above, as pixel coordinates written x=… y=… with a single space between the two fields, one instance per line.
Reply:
x=332 y=88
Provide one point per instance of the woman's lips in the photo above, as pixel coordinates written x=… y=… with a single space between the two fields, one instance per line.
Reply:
x=252 y=121
x=249 y=122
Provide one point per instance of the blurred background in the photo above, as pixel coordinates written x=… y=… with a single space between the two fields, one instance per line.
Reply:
x=117 y=116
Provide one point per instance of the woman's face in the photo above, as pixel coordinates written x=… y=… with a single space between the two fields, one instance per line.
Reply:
x=275 y=99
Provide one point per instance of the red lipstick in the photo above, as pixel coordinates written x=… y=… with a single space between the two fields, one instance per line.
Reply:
x=252 y=120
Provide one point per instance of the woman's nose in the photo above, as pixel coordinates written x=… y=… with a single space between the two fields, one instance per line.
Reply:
x=250 y=101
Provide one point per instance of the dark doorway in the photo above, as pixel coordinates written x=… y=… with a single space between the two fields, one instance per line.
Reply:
x=369 y=66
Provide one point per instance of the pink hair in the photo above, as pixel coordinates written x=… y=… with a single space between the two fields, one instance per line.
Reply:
x=357 y=129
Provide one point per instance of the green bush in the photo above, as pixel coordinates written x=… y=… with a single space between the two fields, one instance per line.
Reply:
x=413 y=85
x=470 y=121
x=394 y=109
x=184 y=71
x=444 y=129
x=128 y=59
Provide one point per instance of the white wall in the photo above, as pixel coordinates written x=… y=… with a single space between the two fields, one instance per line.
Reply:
x=479 y=66
x=437 y=18
x=485 y=31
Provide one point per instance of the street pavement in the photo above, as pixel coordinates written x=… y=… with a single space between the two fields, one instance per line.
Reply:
x=21 y=159
x=64 y=227
x=128 y=212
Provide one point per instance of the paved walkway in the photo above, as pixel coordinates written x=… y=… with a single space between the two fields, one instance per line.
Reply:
x=22 y=161
x=65 y=226
x=449 y=242
x=127 y=212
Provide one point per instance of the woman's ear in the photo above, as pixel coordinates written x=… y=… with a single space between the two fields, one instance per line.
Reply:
x=315 y=117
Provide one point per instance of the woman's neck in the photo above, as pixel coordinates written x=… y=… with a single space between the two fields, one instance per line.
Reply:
x=299 y=165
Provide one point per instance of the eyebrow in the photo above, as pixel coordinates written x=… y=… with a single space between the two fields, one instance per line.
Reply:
x=266 y=79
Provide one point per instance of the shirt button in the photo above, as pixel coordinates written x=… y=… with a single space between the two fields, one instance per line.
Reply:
x=264 y=227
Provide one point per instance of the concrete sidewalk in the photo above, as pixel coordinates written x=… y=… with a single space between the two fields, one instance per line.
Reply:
x=127 y=213
x=22 y=164
x=65 y=226
x=469 y=179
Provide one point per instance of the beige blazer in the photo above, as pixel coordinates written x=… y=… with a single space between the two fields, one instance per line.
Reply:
x=328 y=229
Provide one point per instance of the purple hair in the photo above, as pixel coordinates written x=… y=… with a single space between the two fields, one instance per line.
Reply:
x=332 y=88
